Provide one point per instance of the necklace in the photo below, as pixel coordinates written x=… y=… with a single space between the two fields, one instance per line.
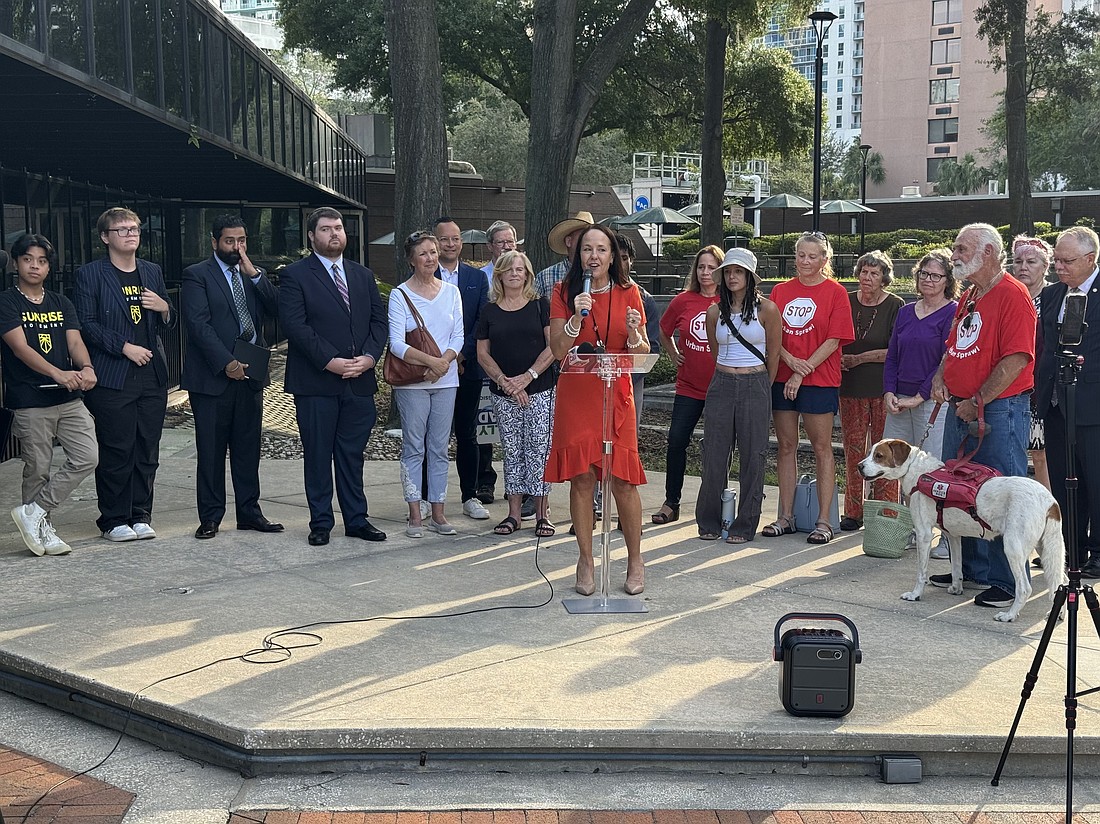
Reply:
x=39 y=299
x=601 y=290
x=861 y=329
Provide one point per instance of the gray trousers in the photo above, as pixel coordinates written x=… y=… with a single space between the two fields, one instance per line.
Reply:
x=738 y=410
x=36 y=429
x=426 y=416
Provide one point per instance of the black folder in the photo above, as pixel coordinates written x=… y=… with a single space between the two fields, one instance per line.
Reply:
x=258 y=359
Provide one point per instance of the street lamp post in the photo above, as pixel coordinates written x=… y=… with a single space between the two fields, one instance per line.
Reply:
x=864 y=148
x=821 y=21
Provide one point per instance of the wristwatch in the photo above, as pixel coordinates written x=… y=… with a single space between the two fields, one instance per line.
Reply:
x=534 y=375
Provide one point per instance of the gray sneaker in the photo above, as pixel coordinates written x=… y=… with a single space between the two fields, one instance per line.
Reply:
x=50 y=542
x=941 y=551
x=28 y=518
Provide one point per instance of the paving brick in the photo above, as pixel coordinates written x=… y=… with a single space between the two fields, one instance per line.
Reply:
x=542 y=816
x=314 y=817
x=412 y=818
x=669 y=817
x=477 y=817
x=445 y=818
x=508 y=817
x=282 y=817
x=370 y=818
x=739 y=817
x=574 y=817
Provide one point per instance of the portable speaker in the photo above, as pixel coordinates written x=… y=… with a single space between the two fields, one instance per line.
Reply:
x=818 y=676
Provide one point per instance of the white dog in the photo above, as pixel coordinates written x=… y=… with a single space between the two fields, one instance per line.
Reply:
x=1019 y=509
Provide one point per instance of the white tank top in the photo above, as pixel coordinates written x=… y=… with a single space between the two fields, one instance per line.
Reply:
x=730 y=350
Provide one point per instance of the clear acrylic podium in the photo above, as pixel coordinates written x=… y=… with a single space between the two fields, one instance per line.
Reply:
x=608 y=367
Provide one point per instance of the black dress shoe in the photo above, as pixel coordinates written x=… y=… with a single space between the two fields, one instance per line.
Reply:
x=366 y=532
x=1092 y=568
x=318 y=537
x=207 y=529
x=261 y=524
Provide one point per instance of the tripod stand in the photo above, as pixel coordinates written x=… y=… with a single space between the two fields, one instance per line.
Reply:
x=1068 y=595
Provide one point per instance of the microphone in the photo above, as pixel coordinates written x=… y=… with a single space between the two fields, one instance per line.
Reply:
x=586 y=288
x=1073 y=326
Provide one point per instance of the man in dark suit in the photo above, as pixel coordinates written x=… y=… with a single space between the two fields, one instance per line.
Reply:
x=1075 y=256
x=336 y=327
x=226 y=299
x=476 y=477
x=123 y=308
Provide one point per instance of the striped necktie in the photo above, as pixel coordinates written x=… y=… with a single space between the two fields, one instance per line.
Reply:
x=341 y=285
x=248 y=330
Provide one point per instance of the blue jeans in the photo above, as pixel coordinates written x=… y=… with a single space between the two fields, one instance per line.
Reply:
x=1004 y=448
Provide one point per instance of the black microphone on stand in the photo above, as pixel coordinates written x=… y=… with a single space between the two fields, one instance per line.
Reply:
x=586 y=288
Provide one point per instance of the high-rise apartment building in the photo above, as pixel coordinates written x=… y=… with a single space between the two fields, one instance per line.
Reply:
x=257 y=19
x=842 y=62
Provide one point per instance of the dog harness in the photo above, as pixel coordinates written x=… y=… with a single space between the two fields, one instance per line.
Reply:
x=957 y=483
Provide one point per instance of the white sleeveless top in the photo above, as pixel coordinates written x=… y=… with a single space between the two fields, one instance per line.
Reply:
x=730 y=350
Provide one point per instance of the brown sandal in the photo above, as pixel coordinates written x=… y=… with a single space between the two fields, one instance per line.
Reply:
x=661 y=517
x=822 y=534
x=506 y=527
x=544 y=529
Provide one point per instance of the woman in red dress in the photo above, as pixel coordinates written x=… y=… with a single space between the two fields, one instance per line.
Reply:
x=616 y=321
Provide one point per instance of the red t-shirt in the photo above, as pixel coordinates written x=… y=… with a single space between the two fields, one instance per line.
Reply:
x=687 y=313
x=812 y=315
x=1001 y=325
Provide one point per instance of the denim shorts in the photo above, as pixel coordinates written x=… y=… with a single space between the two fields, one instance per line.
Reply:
x=810 y=400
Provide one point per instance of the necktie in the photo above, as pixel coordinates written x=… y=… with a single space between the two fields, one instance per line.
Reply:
x=248 y=331
x=341 y=285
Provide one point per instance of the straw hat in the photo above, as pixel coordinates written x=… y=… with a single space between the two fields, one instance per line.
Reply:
x=556 y=238
x=740 y=257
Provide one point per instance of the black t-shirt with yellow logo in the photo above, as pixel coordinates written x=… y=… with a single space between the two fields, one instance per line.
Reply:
x=131 y=293
x=44 y=325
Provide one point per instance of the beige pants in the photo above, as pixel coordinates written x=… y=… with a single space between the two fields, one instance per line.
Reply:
x=72 y=425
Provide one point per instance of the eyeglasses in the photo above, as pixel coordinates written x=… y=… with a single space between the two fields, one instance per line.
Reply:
x=126 y=231
x=423 y=234
x=1068 y=261
x=925 y=274
x=815 y=235
x=970 y=307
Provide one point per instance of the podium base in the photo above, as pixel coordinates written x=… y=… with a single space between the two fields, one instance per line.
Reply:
x=599 y=605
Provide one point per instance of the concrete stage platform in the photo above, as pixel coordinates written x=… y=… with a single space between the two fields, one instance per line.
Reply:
x=518 y=683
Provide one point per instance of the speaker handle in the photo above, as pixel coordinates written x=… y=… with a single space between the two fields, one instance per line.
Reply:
x=777 y=648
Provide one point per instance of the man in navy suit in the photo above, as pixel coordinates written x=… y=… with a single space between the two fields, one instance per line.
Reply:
x=476 y=477
x=1075 y=256
x=336 y=326
x=226 y=298
x=123 y=308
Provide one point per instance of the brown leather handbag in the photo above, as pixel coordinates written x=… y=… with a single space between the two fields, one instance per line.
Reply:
x=398 y=372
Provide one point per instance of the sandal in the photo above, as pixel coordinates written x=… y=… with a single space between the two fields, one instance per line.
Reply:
x=737 y=539
x=780 y=526
x=708 y=536
x=544 y=529
x=822 y=534
x=661 y=517
x=506 y=527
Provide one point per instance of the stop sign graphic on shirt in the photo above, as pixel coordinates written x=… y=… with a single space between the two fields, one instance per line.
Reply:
x=799 y=312
x=698 y=327
x=966 y=334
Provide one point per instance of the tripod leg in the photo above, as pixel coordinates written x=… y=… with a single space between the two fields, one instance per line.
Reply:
x=1032 y=676
x=1093 y=604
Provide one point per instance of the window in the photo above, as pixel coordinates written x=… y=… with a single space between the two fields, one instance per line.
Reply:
x=944 y=91
x=839 y=85
x=839 y=49
x=857 y=120
x=839 y=103
x=840 y=67
x=840 y=14
x=946 y=51
x=840 y=33
x=943 y=131
x=67 y=28
x=934 y=163
x=946 y=11
x=824 y=86
x=840 y=121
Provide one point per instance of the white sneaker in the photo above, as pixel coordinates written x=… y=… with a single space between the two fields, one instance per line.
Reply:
x=473 y=509
x=120 y=533
x=50 y=542
x=144 y=531
x=941 y=551
x=29 y=517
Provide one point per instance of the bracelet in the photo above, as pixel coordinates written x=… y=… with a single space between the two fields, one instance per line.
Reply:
x=86 y=366
x=570 y=329
x=630 y=345
x=534 y=375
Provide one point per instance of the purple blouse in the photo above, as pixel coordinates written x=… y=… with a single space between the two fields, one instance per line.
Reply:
x=915 y=351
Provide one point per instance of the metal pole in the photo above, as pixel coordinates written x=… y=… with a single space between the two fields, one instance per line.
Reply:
x=821 y=21
x=864 y=148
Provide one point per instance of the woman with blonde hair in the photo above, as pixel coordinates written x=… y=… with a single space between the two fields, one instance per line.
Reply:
x=817 y=321
x=1031 y=258
x=513 y=348
x=684 y=337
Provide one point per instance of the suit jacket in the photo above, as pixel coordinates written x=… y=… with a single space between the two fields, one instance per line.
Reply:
x=105 y=322
x=213 y=327
x=1046 y=372
x=319 y=327
x=474 y=289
